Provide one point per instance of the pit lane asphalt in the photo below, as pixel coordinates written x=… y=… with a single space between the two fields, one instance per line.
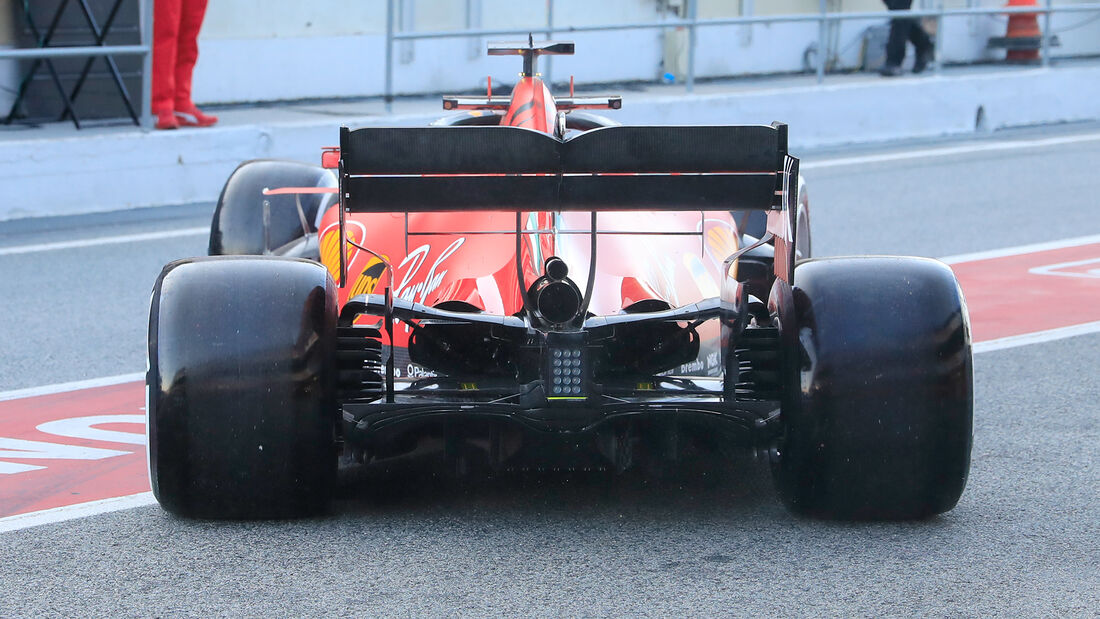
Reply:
x=1022 y=541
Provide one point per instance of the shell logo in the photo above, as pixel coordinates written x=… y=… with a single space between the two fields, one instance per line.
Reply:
x=330 y=246
x=721 y=243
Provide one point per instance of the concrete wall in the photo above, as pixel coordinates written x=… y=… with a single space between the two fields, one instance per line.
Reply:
x=850 y=112
x=100 y=171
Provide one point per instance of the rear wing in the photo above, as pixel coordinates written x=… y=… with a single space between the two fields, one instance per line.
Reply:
x=611 y=168
x=623 y=168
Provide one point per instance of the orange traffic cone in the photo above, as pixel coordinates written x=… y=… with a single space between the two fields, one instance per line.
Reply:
x=1023 y=38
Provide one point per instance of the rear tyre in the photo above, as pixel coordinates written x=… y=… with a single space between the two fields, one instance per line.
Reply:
x=241 y=387
x=803 y=246
x=879 y=405
x=238 y=224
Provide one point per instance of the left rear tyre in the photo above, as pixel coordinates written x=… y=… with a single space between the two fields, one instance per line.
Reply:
x=241 y=387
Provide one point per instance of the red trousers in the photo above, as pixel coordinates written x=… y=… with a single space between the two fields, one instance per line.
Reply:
x=176 y=25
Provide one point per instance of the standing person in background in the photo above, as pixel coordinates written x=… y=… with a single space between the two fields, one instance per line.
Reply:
x=176 y=25
x=902 y=30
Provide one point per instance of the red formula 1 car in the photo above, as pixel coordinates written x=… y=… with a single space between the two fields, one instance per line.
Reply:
x=530 y=284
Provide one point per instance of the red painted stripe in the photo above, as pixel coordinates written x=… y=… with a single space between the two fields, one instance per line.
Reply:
x=1025 y=293
x=71 y=481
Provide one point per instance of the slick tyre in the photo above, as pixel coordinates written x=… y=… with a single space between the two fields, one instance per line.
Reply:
x=238 y=226
x=878 y=421
x=241 y=387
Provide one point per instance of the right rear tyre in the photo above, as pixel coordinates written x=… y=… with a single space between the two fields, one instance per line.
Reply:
x=878 y=404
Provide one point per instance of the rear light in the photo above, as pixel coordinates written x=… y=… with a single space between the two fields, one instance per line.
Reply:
x=567 y=370
x=566 y=373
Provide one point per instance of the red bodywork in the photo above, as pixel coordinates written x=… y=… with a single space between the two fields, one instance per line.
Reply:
x=469 y=257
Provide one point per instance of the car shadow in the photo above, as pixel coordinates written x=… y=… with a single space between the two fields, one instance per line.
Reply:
x=713 y=485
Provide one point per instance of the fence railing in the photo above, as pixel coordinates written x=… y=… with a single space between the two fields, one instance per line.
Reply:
x=144 y=49
x=692 y=22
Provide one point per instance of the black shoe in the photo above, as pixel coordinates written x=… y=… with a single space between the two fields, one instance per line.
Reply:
x=890 y=70
x=923 y=59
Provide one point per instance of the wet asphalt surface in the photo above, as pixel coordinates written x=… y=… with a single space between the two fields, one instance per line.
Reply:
x=710 y=540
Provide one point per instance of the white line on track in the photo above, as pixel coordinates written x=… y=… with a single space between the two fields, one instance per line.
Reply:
x=1038 y=337
x=1022 y=249
x=82 y=510
x=72 y=386
x=964 y=149
x=105 y=240
x=72 y=512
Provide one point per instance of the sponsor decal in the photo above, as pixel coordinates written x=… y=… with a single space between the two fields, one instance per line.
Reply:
x=415 y=371
x=414 y=282
x=720 y=242
x=369 y=278
x=330 y=246
x=415 y=288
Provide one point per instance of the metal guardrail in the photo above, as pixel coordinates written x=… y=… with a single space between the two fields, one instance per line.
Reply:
x=692 y=23
x=145 y=49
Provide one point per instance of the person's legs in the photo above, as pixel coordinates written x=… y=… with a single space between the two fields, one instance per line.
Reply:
x=895 y=46
x=923 y=46
x=187 y=54
x=899 y=34
x=166 y=26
